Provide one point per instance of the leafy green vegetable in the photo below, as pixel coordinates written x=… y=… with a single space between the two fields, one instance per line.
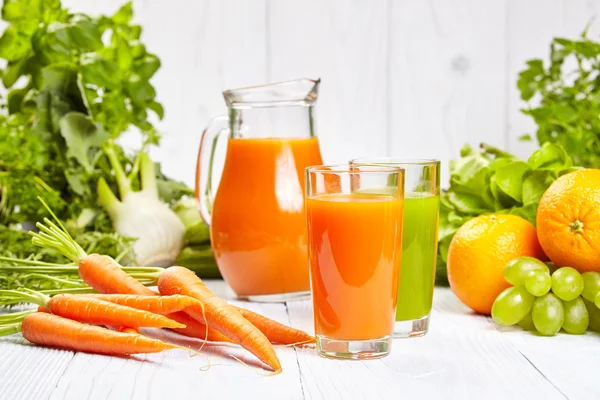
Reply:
x=74 y=84
x=84 y=139
x=564 y=98
x=492 y=180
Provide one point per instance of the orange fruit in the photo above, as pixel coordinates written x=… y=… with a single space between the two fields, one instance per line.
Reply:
x=478 y=253
x=568 y=220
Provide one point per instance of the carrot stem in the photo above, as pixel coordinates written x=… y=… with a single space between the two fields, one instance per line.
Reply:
x=56 y=236
x=81 y=290
x=138 y=272
x=10 y=329
x=12 y=318
x=32 y=262
x=55 y=279
x=25 y=295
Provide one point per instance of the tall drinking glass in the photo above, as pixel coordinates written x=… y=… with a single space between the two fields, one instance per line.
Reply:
x=419 y=241
x=354 y=250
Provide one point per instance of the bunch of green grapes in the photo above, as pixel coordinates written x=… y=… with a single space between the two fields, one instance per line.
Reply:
x=545 y=302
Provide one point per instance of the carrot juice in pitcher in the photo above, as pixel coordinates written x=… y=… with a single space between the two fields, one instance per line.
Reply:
x=257 y=218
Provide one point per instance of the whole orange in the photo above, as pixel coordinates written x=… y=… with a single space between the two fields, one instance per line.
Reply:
x=478 y=253
x=568 y=220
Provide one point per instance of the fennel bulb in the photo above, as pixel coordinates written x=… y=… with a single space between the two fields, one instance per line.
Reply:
x=142 y=215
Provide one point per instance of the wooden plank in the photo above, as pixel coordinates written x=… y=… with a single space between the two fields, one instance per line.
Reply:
x=29 y=372
x=463 y=356
x=448 y=77
x=345 y=44
x=565 y=360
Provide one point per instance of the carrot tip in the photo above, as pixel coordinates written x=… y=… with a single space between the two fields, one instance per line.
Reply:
x=274 y=372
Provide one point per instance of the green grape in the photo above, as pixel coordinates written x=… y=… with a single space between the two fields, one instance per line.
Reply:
x=591 y=285
x=512 y=305
x=548 y=314
x=538 y=283
x=594 y=315
x=520 y=268
x=567 y=283
x=597 y=301
x=527 y=323
x=577 y=318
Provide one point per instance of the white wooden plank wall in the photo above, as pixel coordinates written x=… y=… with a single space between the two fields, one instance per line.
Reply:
x=400 y=77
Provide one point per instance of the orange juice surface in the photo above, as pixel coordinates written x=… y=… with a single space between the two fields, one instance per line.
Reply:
x=355 y=249
x=258 y=219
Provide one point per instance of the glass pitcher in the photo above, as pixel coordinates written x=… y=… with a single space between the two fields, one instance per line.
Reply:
x=257 y=217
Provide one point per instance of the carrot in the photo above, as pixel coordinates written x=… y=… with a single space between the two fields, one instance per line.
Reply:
x=197 y=329
x=155 y=304
x=52 y=330
x=126 y=329
x=43 y=309
x=93 y=311
x=274 y=331
x=100 y=272
x=100 y=312
x=106 y=276
x=218 y=314
x=192 y=327
x=169 y=306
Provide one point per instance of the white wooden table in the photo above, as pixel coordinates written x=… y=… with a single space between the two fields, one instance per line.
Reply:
x=464 y=356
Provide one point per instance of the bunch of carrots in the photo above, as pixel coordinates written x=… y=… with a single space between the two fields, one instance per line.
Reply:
x=109 y=322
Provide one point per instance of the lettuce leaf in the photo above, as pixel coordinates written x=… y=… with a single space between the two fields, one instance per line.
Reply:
x=493 y=181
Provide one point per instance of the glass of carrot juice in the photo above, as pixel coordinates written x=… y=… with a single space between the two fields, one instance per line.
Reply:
x=419 y=241
x=354 y=250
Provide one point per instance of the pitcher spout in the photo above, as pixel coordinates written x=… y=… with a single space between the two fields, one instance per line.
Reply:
x=294 y=92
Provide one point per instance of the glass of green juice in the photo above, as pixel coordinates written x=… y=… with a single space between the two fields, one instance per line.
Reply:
x=419 y=241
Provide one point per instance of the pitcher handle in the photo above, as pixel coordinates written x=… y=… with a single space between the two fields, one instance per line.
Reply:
x=210 y=137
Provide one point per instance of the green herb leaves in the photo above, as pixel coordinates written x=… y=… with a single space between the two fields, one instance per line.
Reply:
x=83 y=138
x=568 y=89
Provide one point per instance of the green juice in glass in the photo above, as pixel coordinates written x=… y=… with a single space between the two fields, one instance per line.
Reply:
x=419 y=250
